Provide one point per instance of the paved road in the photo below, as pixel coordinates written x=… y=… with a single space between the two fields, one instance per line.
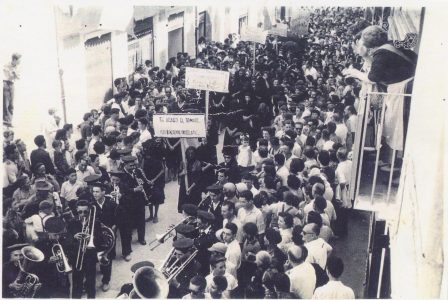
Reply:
x=121 y=272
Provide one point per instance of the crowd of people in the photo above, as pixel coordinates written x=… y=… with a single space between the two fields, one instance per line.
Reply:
x=260 y=224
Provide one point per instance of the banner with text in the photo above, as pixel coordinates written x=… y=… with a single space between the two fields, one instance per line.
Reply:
x=179 y=125
x=208 y=80
x=250 y=34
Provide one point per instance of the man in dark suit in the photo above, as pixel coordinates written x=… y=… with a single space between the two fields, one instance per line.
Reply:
x=213 y=204
x=106 y=213
x=40 y=155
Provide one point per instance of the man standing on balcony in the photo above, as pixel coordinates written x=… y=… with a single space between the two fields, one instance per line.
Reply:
x=10 y=75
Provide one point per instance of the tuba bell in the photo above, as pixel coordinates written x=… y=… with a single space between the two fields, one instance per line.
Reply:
x=29 y=281
x=148 y=283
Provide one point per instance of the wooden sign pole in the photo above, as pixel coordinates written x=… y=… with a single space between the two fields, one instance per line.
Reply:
x=184 y=161
x=207 y=104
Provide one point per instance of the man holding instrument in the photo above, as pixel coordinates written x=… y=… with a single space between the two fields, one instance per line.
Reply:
x=83 y=260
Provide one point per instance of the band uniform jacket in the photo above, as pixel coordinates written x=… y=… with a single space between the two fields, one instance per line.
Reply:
x=184 y=277
x=74 y=227
x=207 y=205
x=108 y=213
x=130 y=198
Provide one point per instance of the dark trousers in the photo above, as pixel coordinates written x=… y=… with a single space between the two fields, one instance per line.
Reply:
x=138 y=216
x=88 y=272
x=126 y=238
x=8 y=98
x=107 y=272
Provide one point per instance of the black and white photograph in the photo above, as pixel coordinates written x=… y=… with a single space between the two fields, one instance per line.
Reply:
x=223 y=150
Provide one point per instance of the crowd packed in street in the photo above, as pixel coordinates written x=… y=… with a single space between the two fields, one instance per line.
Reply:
x=259 y=224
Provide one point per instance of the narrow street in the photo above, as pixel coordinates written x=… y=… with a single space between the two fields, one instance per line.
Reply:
x=121 y=270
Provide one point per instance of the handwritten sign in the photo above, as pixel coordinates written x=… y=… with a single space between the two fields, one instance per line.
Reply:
x=256 y=35
x=208 y=80
x=179 y=125
x=279 y=29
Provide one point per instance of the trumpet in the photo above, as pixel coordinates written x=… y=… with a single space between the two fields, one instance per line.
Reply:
x=62 y=264
x=30 y=282
x=162 y=238
x=86 y=231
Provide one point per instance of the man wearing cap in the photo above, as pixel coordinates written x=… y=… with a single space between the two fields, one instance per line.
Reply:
x=183 y=248
x=11 y=269
x=55 y=284
x=205 y=239
x=213 y=204
x=126 y=288
x=133 y=199
x=42 y=193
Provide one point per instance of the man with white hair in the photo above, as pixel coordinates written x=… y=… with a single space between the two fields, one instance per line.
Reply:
x=229 y=191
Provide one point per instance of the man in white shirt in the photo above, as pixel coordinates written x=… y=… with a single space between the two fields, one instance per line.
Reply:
x=248 y=180
x=302 y=275
x=83 y=170
x=334 y=288
x=233 y=252
x=229 y=216
x=248 y=213
x=341 y=130
x=318 y=249
x=69 y=187
x=144 y=132
x=218 y=266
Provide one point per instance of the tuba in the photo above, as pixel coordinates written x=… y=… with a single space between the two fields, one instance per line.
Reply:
x=149 y=283
x=108 y=243
x=30 y=282
x=88 y=227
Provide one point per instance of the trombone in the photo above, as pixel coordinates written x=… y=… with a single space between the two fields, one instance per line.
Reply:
x=162 y=238
x=172 y=268
x=86 y=231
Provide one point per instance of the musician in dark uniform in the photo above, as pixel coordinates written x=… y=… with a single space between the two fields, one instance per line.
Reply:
x=106 y=213
x=74 y=238
x=122 y=215
x=230 y=164
x=183 y=249
x=11 y=270
x=205 y=239
x=126 y=288
x=133 y=198
x=213 y=204
x=55 y=284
